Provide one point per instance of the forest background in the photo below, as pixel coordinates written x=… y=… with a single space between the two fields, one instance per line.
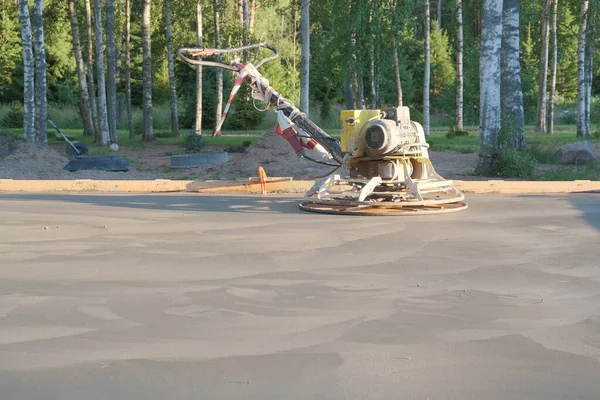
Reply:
x=353 y=47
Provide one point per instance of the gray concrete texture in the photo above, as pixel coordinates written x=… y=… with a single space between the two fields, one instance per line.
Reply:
x=235 y=297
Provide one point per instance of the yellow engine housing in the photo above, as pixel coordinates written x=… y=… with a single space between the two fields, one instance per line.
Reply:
x=351 y=131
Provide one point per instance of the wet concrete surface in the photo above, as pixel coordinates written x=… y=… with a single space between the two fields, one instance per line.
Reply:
x=186 y=296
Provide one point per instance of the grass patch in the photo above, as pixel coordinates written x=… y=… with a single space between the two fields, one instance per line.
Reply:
x=466 y=142
x=585 y=172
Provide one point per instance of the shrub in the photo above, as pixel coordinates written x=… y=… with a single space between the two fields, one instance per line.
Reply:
x=14 y=117
x=510 y=163
x=194 y=143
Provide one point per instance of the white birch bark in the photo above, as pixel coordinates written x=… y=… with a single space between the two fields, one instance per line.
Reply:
x=28 y=72
x=252 y=16
x=148 y=132
x=427 y=78
x=543 y=80
x=372 y=63
x=102 y=111
x=489 y=73
x=41 y=87
x=198 y=128
x=372 y=76
x=219 y=71
x=459 y=69
x=551 y=99
x=439 y=13
x=513 y=115
x=589 y=64
x=349 y=95
x=128 y=69
x=111 y=71
x=90 y=69
x=305 y=62
x=397 y=79
x=361 y=94
x=84 y=98
x=245 y=22
x=581 y=78
x=171 y=67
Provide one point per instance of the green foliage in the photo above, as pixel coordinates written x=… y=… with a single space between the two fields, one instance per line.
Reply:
x=567 y=67
x=589 y=171
x=243 y=115
x=343 y=34
x=10 y=44
x=14 y=117
x=529 y=75
x=543 y=153
x=443 y=72
x=509 y=163
x=194 y=143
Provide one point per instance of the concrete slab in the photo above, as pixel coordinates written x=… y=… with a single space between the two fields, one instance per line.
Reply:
x=187 y=296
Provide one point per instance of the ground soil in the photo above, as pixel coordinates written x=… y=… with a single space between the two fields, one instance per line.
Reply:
x=31 y=161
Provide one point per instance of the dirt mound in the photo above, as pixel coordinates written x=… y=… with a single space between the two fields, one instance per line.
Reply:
x=31 y=161
x=276 y=156
x=35 y=161
x=8 y=145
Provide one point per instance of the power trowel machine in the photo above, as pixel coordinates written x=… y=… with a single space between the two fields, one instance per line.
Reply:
x=382 y=164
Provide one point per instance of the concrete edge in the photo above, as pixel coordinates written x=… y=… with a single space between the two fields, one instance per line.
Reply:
x=274 y=185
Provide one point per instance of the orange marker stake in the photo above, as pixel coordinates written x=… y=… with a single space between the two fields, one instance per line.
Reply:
x=262 y=175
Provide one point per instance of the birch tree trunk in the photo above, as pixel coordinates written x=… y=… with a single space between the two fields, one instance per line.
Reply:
x=513 y=115
x=427 y=78
x=397 y=78
x=219 y=71
x=90 y=70
x=41 y=88
x=589 y=64
x=551 y=100
x=28 y=72
x=581 y=78
x=439 y=13
x=459 y=69
x=240 y=10
x=399 y=101
x=245 y=21
x=360 y=96
x=102 y=111
x=372 y=63
x=84 y=98
x=489 y=75
x=304 y=64
x=171 y=66
x=111 y=71
x=198 y=129
x=543 y=83
x=372 y=74
x=349 y=95
x=251 y=16
x=128 y=69
x=148 y=133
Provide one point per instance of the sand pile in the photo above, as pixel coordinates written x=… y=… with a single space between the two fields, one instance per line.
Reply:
x=31 y=161
x=23 y=160
x=276 y=156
